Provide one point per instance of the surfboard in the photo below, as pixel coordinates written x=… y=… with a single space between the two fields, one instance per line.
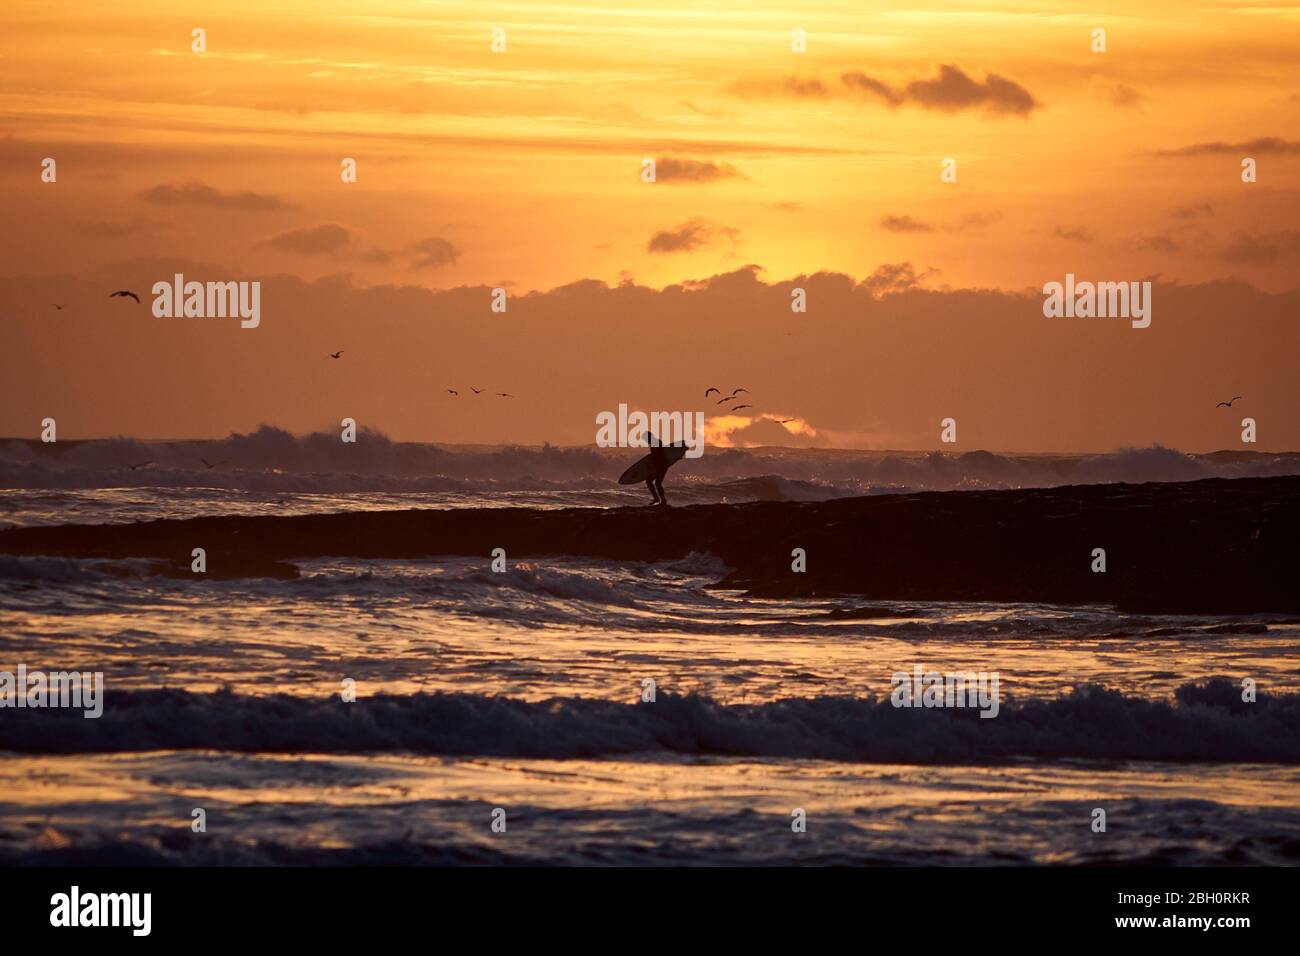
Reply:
x=640 y=470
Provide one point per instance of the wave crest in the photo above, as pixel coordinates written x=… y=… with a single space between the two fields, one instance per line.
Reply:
x=272 y=460
x=1206 y=722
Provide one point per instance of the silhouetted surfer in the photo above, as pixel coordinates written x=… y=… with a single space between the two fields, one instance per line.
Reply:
x=652 y=468
x=658 y=468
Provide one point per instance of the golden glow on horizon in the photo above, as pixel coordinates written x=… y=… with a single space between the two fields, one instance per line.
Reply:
x=528 y=160
x=522 y=170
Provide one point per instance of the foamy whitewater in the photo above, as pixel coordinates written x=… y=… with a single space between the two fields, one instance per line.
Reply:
x=272 y=471
x=523 y=690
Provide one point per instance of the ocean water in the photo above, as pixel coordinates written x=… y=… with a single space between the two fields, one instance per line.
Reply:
x=523 y=691
x=272 y=472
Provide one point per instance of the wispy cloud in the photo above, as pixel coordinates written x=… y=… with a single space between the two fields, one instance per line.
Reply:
x=433 y=253
x=690 y=235
x=905 y=224
x=673 y=170
x=1124 y=96
x=196 y=193
x=894 y=277
x=1262 y=249
x=951 y=90
x=313 y=240
x=1156 y=243
x=1075 y=234
x=120 y=229
x=1261 y=146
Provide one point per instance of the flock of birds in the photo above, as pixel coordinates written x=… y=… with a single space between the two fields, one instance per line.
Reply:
x=477 y=391
x=728 y=398
x=451 y=391
x=127 y=293
x=722 y=400
x=733 y=397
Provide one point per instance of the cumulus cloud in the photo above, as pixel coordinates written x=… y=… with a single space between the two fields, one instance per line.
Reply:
x=196 y=193
x=954 y=90
x=767 y=428
x=852 y=366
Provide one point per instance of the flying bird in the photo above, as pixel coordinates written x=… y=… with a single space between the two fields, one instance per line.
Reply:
x=124 y=293
x=707 y=390
x=1227 y=404
x=476 y=391
x=453 y=391
x=57 y=306
x=736 y=408
x=336 y=354
x=210 y=464
x=505 y=394
x=141 y=465
x=729 y=398
x=783 y=421
x=738 y=391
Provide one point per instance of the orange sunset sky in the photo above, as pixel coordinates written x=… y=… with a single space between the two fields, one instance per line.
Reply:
x=521 y=169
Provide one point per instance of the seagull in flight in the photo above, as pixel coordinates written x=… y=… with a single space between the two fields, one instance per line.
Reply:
x=452 y=391
x=123 y=293
x=738 y=391
x=708 y=390
x=476 y=391
x=783 y=421
x=57 y=306
x=736 y=408
x=505 y=395
x=1227 y=404
x=729 y=398
x=336 y=354
x=210 y=464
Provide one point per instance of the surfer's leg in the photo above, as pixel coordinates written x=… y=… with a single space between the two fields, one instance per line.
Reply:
x=659 y=486
x=654 y=495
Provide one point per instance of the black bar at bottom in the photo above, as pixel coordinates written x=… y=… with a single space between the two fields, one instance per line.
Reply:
x=914 y=905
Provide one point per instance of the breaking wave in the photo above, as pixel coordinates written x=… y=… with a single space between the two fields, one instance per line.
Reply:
x=272 y=460
x=1206 y=722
